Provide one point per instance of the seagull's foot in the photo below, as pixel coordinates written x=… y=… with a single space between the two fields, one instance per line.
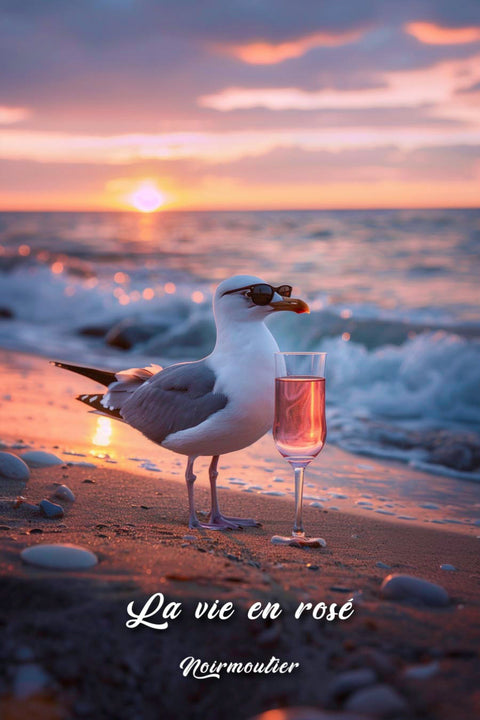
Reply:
x=216 y=524
x=237 y=522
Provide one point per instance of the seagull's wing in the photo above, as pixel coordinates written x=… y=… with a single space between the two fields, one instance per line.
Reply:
x=177 y=398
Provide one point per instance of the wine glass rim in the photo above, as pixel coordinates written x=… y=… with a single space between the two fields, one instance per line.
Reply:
x=324 y=354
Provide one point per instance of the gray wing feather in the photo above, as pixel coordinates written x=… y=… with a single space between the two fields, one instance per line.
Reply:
x=177 y=398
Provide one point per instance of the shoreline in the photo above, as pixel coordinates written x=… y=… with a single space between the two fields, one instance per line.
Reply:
x=35 y=417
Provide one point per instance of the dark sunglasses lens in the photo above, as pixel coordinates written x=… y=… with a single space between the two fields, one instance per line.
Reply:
x=285 y=290
x=261 y=294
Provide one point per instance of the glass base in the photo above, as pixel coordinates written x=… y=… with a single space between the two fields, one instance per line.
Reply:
x=299 y=541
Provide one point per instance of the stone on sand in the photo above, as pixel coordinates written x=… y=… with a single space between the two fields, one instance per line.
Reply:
x=414 y=589
x=378 y=700
x=30 y=679
x=51 y=510
x=347 y=682
x=40 y=459
x=13 y=468
x=63 y=492
x=59 y=557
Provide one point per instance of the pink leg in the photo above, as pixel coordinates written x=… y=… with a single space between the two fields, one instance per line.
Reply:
x=216 y=523
x=216 y=516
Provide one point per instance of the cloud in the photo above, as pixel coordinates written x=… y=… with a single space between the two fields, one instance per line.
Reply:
x=414 y=88
x=12 y=115
x=432 y=34
x=267 y=53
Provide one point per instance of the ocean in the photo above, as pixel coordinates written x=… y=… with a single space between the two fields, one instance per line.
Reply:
x=393 y=294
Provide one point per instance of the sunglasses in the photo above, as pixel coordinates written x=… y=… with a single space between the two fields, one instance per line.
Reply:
x=261 y=293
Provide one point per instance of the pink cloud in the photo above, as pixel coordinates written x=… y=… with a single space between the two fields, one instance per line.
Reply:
x=432 y=34
x=10 y=115
x=265 y=53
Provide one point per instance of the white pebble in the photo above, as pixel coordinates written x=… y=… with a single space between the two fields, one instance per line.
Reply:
x=64 y=493
x=40 y=459
x=13 y=468
x=59 y=557
x=316 y=504
x=414 y=589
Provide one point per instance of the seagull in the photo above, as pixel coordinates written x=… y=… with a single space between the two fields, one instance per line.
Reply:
x=208 y=407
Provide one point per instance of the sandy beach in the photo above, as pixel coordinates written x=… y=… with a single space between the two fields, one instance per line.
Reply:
x=71 y=626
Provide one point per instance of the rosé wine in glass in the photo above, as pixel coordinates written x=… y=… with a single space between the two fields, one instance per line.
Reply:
x=299 y=428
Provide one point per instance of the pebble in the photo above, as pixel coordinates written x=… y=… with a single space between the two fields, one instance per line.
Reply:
x=382 y=565
x=64 y=493
x=40 y=459
x=189 y=537
x=414 y=589
x=59 y=557
x=310 y=566
x=429 y=506
x=348 y=682
x=89 y=480
x=51 y=510
x=30 y=679
x=13 y=468
x=377 y=700
x=316 y=504
x=447 y=566
x=422 y=672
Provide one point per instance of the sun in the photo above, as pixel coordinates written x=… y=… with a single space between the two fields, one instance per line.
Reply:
x=147 y=197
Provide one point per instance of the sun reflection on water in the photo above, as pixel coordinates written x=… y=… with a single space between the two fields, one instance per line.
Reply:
x=103 y=432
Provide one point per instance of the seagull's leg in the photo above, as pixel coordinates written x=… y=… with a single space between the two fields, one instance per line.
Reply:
x=190 y=478
x=216 y=516
x=193 y=521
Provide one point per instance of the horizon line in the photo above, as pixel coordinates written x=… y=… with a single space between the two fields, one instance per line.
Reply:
x=245 y=209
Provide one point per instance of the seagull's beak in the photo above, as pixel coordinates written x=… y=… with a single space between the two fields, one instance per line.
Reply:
x=293 y=304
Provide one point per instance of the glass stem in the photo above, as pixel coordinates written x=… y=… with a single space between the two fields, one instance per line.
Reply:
x=299 y=471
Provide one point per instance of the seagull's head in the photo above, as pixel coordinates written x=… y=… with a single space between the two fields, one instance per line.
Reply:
x=247 y=297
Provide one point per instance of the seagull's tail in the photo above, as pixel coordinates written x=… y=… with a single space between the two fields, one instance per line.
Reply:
x=94 y=402
x=104 y=377
x=120 y=386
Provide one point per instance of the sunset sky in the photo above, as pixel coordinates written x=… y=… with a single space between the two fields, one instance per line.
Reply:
x=220 y=104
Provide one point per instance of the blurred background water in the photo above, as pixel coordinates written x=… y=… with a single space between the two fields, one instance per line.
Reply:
x=393 y=293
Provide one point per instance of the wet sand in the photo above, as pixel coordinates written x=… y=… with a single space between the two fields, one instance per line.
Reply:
x=71 y=626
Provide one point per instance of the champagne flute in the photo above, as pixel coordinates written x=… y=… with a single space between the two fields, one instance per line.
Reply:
x=299 y=428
